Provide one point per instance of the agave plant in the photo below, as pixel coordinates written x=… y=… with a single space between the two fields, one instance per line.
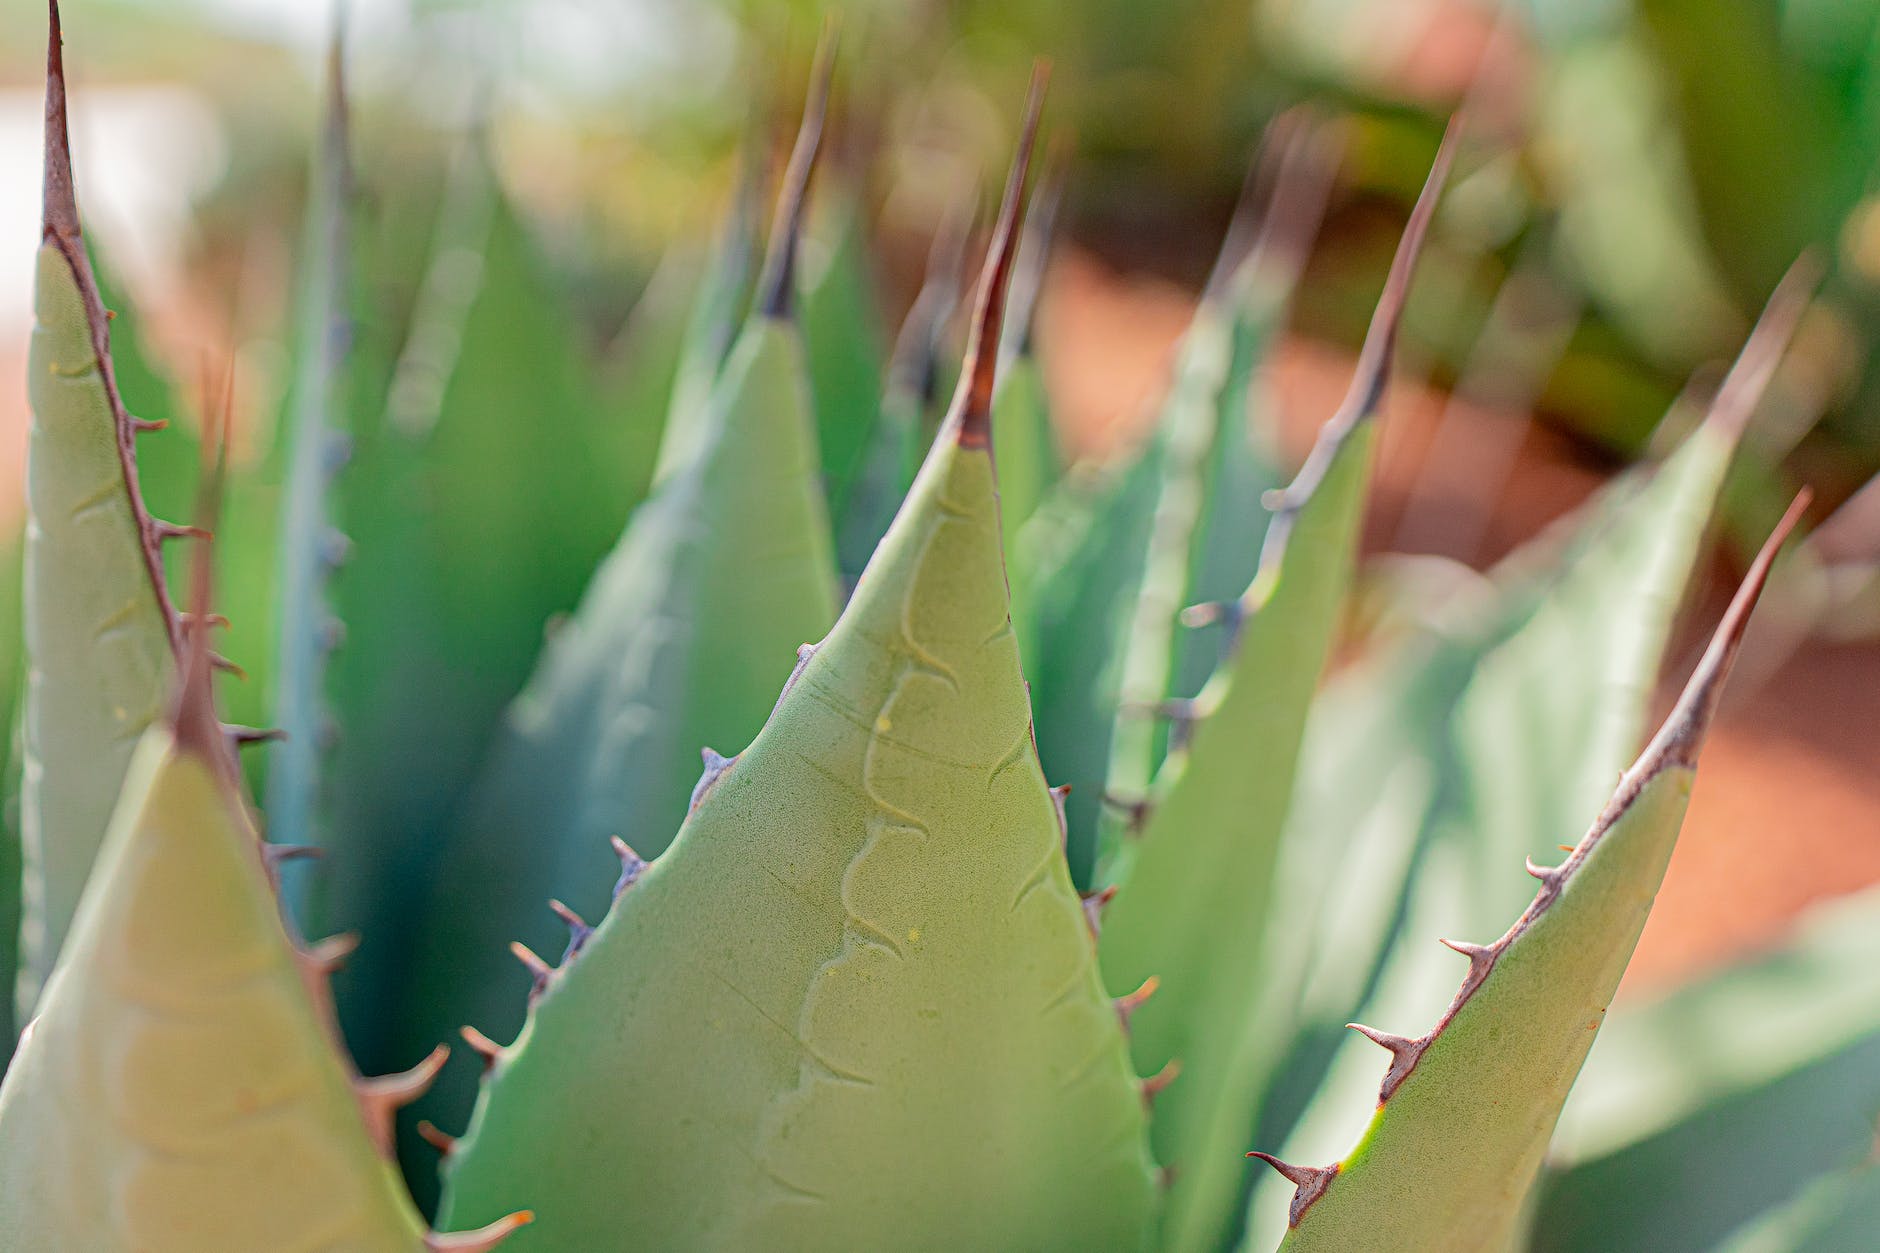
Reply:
x=868 y=980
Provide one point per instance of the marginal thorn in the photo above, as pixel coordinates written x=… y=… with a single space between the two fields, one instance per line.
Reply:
x=1134 y=809
x=716 y=764
x=219 y=662
x=1310 y=1182
x=166 y=531
x=970 y=418
x=578 y=928
x=1154 y=1085
x=1094 y=905
x=1129 y=1003
x=1568 y=848
x=329 y=955
x=144 y=426
x=1404 y=1054
x=489 y=1050
x=189 y=619
x=632 y=865
x=1212 y=612
x=1543 y=873
x=1059 y=795
x=381 y=1097
x=442 y=1141
x=254 y=735
x=278 y=853
x=482 y=1240
x=532 y=962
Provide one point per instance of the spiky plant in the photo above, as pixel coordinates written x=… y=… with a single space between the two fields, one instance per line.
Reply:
x=868 y=981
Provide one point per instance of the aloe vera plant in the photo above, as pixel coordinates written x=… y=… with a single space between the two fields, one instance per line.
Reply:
x=868 y=979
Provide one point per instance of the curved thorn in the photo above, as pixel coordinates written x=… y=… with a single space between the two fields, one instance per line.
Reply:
x=1543 y=873
x=632 y=865
x=1310 y=1182
x=278 y=853
x=1129 y=1003
x=253 y=735
x=971 y=416
x=1154 y=1085
x=329 y=955
x=166 y=531
x=442 y=1141
x=489 y=1050
x=218 y=662
x=1094 y=905
x=531 y=962
x=482 y=1240
x=382 y=1096
x=1404 y=1055
x=144 y=426
x=776 y=287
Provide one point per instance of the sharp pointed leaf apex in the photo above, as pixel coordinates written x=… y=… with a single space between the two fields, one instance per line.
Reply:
x=971 y=418
x=483 y=1239
x=1742 y=389
x=60 y=206
x=1309 y=1183
x=776 y=288
x=1380 y=342
x=1682 y=736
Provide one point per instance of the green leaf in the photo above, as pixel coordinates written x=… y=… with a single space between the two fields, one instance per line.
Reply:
x=842 y=329
x=856 y=999
x=179 y=1088
x=1714 y=1104
x=1191 y=913
x=1466 y=1110
x=679 y=644
x=99 y=623
x=1416 y=798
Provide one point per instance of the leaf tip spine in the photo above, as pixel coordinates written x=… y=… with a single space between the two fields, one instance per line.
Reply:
x=776 y=287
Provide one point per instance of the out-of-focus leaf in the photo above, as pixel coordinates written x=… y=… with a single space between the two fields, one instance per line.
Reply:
x=842 y=330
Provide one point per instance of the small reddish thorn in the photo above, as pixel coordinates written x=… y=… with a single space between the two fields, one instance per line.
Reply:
x=531 y=961
x=1129 y=1003
x=173 y=530
x=329 y=955
x=1404 y=1054
x=1568 y=848
x=278 y=853
x=1311 y=1182
x=632 y=865
x=1543 y=873
x=575 y=921
x=188 y=618
x=483 y=1239
x=442 y=1141
x=1094 y=905
x=219 y=662
x=480 y=1044
x=254 y=735
x=1154 y=1085
x=145 y=425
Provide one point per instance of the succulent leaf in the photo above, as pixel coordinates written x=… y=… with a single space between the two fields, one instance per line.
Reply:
x=1702 y=1110
x=100 y=625
x=1197 y=886
x=181 y=1087
x=1410 y=809
x=1465 y=1111
x=679 y=644
x=864 y=934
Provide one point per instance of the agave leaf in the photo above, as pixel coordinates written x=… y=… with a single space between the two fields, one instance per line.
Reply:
x=1700 y=1111
x=1024 y=443
x=1175 y=522
x=680 y=643
x=180 y=1087
x=1197 y=885
x=855 y=1004
x=310 y=545
x=456 y=567
x=841 y=331
x=910 y=394
x=1465 y=1111
x=1578 y=633
x=1838 y=1213
x=99 y=623
x=1211 y=504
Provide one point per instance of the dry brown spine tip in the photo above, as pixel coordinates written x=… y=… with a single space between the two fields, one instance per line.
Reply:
x=1309 y=1182
x=776 y=285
